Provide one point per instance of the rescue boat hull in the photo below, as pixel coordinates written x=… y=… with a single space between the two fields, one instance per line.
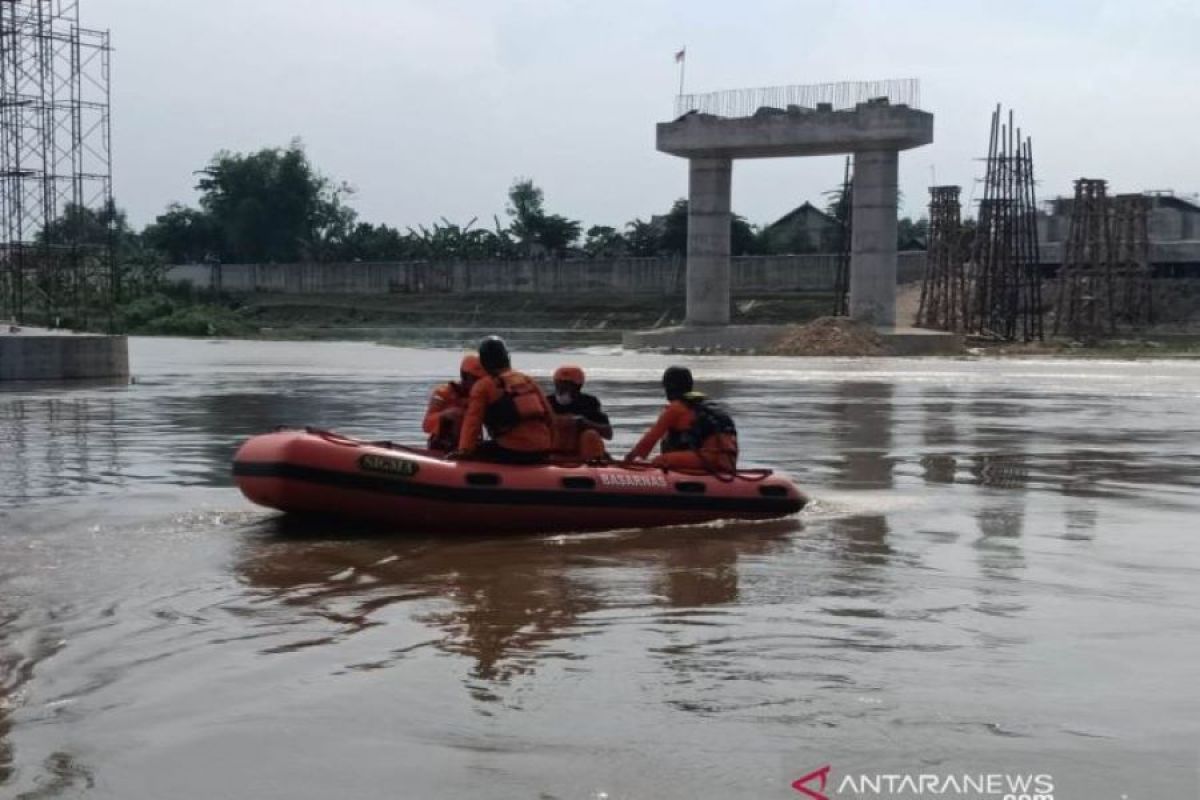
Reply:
x=317 y=472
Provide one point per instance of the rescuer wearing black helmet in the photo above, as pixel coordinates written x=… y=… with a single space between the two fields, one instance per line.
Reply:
x=696 y=433
x=493 y=354
x=677 y=381
x=511 y=407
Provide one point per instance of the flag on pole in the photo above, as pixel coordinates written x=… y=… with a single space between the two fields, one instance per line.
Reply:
x=680 y=55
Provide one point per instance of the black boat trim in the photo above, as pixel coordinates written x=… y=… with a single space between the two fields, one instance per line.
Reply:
x=497 y=496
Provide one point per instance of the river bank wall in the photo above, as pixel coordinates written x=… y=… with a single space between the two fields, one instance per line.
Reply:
x=642 y=276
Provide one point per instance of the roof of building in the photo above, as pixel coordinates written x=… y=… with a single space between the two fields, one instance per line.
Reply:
x=1177 y=203
x=805 y=209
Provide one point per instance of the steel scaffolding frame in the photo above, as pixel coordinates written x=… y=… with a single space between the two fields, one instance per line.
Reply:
x=1085 y=287
x=1006 y=292
x=944 y=291
x=57 y=219
x=1105 y=282
x=1131 y=261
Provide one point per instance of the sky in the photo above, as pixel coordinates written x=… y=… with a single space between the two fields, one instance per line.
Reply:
x=431 y=108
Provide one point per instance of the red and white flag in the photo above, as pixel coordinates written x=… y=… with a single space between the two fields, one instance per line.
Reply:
x=680 y=55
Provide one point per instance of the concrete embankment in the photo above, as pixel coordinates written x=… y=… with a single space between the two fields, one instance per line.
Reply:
x=549 y=320
x=33 y=354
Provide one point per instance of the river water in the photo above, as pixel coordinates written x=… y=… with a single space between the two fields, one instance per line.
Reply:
x=1000 y=571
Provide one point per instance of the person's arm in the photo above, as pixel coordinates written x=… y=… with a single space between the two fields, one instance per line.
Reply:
x=472 y=426
x=597 y=420
x=657 y=431
x=433 y=414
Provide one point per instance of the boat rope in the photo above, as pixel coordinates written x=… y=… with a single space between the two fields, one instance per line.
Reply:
x=725 y=476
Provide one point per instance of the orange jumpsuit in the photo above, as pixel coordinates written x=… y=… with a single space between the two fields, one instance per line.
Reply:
x=444 y=416
x=574 y=441
x=532 y=433
x=718 y=451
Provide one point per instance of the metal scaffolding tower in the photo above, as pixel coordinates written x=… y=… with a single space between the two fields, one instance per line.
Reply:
x=1006 y=295
x=1134 y=306
x=1085 y=287
x=1105 y=282
x=56 y=212
x=944 y=291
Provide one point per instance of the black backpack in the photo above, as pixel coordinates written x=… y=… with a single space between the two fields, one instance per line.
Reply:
x=711 y=419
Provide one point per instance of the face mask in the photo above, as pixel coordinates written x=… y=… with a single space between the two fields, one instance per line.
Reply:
x=564 y=398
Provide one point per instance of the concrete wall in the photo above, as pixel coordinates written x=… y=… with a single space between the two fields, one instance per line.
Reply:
x=664 y=276
x=1164 y=225
x=51 y=357
x=1163 y=255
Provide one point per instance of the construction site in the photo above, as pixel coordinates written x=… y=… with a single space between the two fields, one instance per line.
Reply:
x=1003 y=261
x=1086 y=268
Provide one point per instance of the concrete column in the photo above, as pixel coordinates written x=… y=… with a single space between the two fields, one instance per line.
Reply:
x=709 y=223
x=873 y=246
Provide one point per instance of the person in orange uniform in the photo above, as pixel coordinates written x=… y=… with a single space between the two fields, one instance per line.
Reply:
x=513 y=410
x=696 y=433
x=448 y=405
x=580 y=426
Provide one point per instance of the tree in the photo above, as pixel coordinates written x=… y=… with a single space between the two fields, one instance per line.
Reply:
x=272 y=205
x=912 y=235
x=367 y=242
x=526 y=207
x=183 y=235
x=675 y=229
x=532 y=226
x=86 y=233
x=80 y=225
x=604 y=240
x=643 y=238
x=742 y=237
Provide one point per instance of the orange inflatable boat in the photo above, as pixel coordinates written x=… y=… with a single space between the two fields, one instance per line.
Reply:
x=318 y=472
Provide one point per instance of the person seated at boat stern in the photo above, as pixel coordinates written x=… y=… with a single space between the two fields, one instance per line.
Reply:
x=580 y=426
x=696 y=433
x=513 y=410
x=448 y=405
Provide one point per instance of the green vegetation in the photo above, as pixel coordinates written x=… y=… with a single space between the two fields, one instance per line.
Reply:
x=275 y=206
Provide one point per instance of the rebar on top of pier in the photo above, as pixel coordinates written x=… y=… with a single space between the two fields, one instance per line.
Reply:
x=944 y=290
x=1005 y=296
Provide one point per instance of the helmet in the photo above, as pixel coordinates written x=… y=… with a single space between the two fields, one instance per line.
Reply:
x=493 y=354
x=470 y=367
x=569 y=373
x=677 y=381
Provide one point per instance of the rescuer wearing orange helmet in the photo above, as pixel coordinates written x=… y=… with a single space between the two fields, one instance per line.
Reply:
x=580 y=426
x=511 y=407
x=696 y=433
x=448 y=405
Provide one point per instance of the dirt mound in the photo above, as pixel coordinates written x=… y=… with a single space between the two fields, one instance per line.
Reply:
x=829 y=336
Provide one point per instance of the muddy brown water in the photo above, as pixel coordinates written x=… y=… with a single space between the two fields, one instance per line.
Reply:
x=1000 y=570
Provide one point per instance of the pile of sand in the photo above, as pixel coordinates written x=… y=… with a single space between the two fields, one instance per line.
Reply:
x=829 y=336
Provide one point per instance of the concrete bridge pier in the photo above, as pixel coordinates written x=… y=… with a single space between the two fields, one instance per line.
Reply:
x=873 y=129
x=709 y=223
x=873 y=238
